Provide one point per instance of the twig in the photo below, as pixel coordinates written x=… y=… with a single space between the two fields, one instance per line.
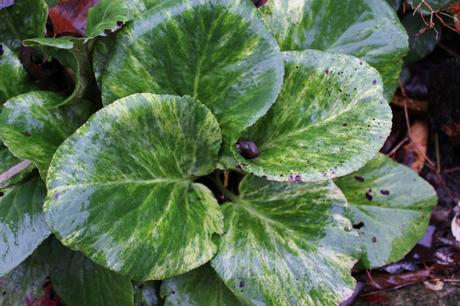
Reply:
x=15 y=170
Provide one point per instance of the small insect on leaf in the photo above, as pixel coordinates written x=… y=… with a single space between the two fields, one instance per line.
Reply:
x=248 y=149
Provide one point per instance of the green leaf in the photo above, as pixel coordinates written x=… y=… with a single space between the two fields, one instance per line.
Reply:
x=74 y=54
x=329 y=120
x=217 y=52
x=392 y=204
x=287 y=244
x=108 y=14
x=24 y=19
x=22 y=224
x=146 y=293
x=421 y=44
x=368 y=29
x=12 y=169
x=201 y=286
x=13 y=78
x=120 y=189
x=80 y=282
x=25 y=284
x=32 y=126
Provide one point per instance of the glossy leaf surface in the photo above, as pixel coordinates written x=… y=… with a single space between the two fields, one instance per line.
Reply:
x=391 y=205
x=24 y=19
x=32 y=126
x=22 y=224
x=121 y=190
x=368 y=29
x=329 y=120
x=216 y=51
x=80 y=282
x=201 y=286
x=25 y=284
x=13 y=78
x=421 y=44
x=287 y=244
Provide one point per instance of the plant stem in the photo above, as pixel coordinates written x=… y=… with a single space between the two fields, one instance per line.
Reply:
x=233 y=197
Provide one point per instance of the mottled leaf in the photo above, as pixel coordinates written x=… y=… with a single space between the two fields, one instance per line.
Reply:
x=329 y=120
x=80 y=282
x=22 y=224
x=421 y=44
x=24 y=19
x=391 y=206
x=287 y=244
x=201 y=286
x=216 y=51
x=13 y=78
x=32 y=126
x=109 y=15
x=25 y=285
x=368 y=29
x=120 y=189
x=12 y=169
x=147 y=293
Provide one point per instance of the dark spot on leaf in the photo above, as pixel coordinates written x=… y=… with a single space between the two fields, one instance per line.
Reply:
x=173 y=292
x=374 y=82
x=2 y=193
x=359 y=179
x=384 y=192
x=358 y=225
x=241 y=284
x=345 y=124
x=1 y=50
x=26 y=134
x=4 y=293
x=368 y=196
x=57 y=195
x=248 y=149
x=374 y=239
x=326 y=71
x=259 y=3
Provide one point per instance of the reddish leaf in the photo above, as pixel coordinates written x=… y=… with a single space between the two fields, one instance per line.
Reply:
x=69 y=16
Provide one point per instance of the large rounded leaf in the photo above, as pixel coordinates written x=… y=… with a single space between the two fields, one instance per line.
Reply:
x=216 y=51
x=391 y=205
x=22 y=224
x=201 y=286
x=287 y=244
x=120 y=188
x=24 y=19
x=329 y=120
x=368 y=29
x=80 y=282
x=13 y=77
x=33 y=127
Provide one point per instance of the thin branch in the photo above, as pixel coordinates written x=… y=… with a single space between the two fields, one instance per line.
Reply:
x=15 y=170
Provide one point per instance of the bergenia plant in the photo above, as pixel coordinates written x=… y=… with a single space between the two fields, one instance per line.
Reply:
x=209 y=153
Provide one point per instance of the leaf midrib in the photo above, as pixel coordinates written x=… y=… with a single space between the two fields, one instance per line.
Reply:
x=134 y=182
